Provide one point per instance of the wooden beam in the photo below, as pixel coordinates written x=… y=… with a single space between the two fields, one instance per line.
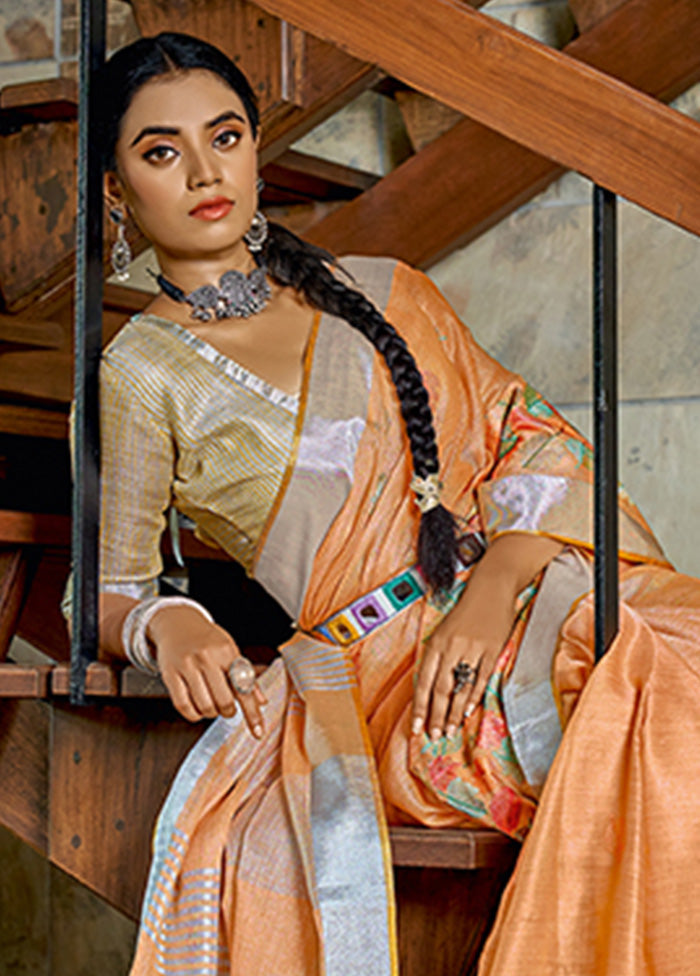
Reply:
x=31 y=529
x=24 y=770
x=46 y=375
x=17 y=566
x=461 y=850
x=587 y=13
x=24 y=680
x=298 y=176
x=543 y=99
x=26 y=421
x=477 y=177
x=31 y=332
x=39 y=101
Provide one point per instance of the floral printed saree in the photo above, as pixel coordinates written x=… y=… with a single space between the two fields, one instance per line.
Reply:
x=271 y=857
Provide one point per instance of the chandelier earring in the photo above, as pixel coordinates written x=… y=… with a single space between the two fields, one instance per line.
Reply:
x=257 y=233
x=120 y=255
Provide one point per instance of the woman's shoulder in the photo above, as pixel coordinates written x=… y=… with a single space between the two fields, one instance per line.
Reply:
x=141 y=343
x=140 y=356
x=374 y=276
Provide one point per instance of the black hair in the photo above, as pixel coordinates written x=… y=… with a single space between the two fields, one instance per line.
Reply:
x=302 y=266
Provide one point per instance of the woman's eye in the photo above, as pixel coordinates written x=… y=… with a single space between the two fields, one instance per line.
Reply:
x=159 y=154
x=227 y=138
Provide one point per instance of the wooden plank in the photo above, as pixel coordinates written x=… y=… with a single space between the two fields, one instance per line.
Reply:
x=587 y=13
x=41 y=622
x=28 y=94
x=31 y=332
x=46 y=375
x=32 y=529
x=17 y=565
x=101 y=680
x=37 y=187
x=326 y=170
x=457 y=849
x=541 y=98
x=424 y=118
x=111 y=768
x=634 y=42
x=444 y=917
x=33 y=421
x=23 y=680
x=127 y=301
x=297 y=176
x=24 y=770
x=138 y=684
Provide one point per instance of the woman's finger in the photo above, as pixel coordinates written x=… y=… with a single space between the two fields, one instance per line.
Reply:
x=180 y=696
x=443 y=692
x=199 y=692
x=424 y=684
x=220 y=690
x=463 y=700
x=477 y=696
x=251 y=711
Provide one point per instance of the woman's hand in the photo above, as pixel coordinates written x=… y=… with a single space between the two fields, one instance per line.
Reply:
x=475 y=632
x=194 y=656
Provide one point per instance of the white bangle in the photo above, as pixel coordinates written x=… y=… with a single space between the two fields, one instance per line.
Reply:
x=134 y=640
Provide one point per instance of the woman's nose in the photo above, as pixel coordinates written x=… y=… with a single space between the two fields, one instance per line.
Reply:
x=203 y=170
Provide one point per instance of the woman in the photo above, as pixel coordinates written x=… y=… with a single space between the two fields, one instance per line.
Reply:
x=428 y=528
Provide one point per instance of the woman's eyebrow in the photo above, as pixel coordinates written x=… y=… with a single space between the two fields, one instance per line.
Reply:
x=154 y=130
x=224 y=117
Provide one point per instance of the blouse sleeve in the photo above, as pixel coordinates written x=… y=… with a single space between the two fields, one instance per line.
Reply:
x=137 y=460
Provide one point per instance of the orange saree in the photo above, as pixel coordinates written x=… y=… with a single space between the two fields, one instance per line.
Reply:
x=271 y=857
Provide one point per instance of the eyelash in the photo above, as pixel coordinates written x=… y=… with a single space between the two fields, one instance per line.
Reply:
x=157 y=153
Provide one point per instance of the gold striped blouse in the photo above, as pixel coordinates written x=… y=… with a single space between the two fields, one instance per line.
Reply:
x=183 y=425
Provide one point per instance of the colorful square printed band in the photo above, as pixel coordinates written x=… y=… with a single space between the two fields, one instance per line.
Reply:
x=381 y=604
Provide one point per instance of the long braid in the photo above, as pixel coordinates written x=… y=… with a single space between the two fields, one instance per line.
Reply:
x=303 y=266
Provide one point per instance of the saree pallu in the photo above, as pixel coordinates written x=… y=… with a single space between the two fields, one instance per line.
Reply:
x=271 y=857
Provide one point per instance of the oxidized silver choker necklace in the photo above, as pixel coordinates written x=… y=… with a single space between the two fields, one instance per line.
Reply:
x=238 y=296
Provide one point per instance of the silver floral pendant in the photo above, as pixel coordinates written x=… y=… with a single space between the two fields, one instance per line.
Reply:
x=238 y=296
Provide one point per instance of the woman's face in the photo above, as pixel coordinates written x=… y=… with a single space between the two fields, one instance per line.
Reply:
x=187 y=166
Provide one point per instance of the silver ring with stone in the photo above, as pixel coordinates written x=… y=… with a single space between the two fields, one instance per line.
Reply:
x=464 y=674
x=242 y=676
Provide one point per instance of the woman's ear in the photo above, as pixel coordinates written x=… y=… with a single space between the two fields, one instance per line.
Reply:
x=113 y=191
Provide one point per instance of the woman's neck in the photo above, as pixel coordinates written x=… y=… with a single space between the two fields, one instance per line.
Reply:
x=189 y=273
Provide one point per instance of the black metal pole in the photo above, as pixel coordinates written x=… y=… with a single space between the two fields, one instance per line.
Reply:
x=605 y=417
x=88 y=342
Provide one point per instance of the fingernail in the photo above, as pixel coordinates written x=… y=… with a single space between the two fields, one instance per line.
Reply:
x=258 y=731
x=417 y=726
x=450 y=731
x=435 y=734
x=469 y=709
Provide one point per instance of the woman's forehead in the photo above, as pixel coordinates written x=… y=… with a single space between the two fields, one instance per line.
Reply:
x=184 y=98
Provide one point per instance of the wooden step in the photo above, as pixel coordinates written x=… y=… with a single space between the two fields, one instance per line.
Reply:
x=83 y=786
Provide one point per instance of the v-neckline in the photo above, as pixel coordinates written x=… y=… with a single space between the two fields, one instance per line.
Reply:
x=234 y=369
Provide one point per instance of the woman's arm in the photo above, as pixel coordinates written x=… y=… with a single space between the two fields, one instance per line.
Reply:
x=476 y=630
x=138 y=457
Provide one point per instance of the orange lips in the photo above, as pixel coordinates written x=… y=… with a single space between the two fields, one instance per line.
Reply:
x=213 y=209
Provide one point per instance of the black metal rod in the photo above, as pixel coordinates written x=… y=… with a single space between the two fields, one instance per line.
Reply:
x=605 y=436
x=88 y=342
